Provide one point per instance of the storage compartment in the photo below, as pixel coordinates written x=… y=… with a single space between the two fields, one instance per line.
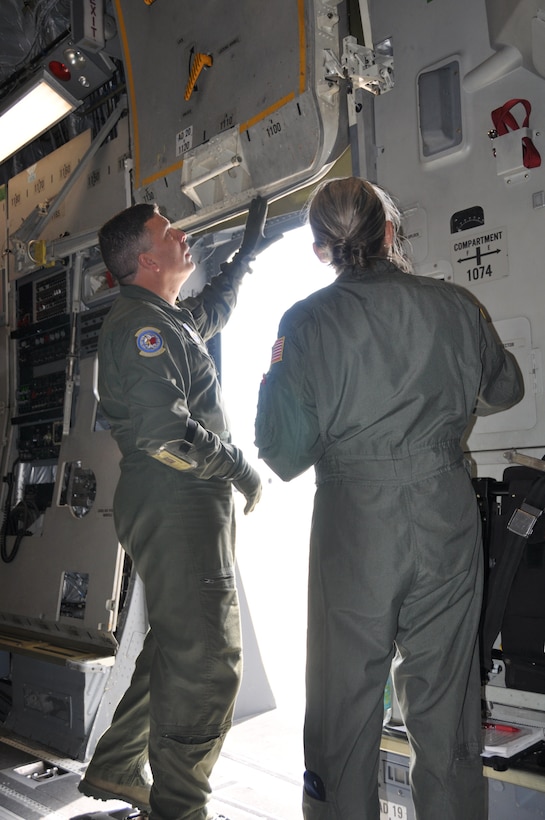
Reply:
x=56 y=705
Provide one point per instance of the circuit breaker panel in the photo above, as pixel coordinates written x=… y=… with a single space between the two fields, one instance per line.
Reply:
x=61 y=562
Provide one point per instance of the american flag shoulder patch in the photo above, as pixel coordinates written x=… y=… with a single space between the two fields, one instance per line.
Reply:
x=278 y=350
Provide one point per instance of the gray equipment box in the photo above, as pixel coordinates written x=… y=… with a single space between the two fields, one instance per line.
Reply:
x=394 y=789
x=506 y=801
x=55 y=705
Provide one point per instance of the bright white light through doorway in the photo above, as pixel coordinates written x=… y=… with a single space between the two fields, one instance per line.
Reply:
x=272 y=542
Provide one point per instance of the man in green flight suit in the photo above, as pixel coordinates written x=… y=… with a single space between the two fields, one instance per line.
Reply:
x=173 y=512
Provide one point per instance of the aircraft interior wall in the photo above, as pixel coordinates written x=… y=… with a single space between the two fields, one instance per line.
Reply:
x=473 y=209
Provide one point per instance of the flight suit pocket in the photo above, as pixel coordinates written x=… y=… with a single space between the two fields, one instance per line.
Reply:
x=221 y=614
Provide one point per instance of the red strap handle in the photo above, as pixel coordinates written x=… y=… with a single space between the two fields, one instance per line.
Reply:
x=504 y=121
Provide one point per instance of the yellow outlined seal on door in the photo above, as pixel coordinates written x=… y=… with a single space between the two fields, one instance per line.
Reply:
x=149 y=342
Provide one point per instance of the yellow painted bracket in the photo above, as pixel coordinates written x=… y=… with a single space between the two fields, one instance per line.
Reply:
x=200 y=61
x=37 y=252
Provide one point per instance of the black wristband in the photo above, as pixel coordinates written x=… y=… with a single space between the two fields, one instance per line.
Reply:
x=190 y=431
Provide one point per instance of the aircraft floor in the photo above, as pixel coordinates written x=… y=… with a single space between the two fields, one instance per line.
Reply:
x=258 y=775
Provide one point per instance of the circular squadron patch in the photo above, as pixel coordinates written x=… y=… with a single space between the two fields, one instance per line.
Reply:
x=149 y=342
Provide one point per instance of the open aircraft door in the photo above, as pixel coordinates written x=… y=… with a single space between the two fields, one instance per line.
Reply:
x=228 y=100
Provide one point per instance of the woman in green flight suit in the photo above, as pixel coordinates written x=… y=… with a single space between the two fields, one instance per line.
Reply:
x=374 y=380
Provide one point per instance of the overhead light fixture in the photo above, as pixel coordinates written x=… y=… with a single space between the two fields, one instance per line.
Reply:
x=37 y=105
